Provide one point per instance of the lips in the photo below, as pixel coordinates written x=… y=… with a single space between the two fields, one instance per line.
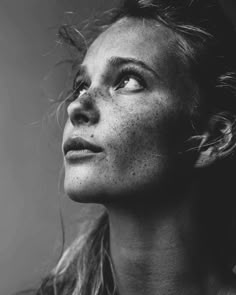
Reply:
x=79 y=144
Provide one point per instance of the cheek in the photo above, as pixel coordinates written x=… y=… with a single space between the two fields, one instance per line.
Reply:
x=144 y=139
x=134 y=142
x=66 y=130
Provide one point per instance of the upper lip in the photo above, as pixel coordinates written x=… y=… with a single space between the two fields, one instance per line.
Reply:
x=78 y=143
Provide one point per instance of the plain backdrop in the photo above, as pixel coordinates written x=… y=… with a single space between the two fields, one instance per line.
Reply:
x=30 y=157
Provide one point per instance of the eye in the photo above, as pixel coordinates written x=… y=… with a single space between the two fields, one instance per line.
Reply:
x=130 y=83
x=79 y=89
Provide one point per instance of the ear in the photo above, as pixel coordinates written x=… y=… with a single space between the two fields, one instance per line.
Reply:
x=218 y=141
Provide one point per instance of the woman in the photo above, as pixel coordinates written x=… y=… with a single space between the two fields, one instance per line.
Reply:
x=150 y=135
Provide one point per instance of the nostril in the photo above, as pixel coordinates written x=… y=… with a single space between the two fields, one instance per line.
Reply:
x=85 y=119
x=80 y=118
x=80 y=112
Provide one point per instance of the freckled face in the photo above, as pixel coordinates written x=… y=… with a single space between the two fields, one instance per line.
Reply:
x=132 y=99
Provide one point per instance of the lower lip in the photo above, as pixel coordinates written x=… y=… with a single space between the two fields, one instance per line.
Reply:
x=79 y=155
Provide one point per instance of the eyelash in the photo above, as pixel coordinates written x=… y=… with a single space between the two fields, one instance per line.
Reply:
x=122 y=75
x=77 y=86
x=130 y=73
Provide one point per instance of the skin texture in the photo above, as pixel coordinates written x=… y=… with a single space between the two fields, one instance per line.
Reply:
x=140 y=127
x=142 y=123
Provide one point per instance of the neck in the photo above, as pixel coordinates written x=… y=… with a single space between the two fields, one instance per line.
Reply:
x=158 y=252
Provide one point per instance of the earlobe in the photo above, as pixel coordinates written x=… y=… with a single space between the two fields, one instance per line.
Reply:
x=218 y=141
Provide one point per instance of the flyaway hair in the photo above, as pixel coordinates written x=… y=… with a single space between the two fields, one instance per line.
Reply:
x=206 y=45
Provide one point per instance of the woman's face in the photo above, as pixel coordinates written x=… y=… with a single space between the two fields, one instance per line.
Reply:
x=130 y=115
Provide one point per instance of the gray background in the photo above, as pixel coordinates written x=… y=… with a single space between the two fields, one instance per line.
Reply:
x=30 y=159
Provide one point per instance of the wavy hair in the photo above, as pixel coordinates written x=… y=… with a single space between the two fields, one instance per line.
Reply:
x=206 y=45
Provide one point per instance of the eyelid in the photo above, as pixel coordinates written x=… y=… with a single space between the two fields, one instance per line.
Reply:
x=124 y=72
x=81 y=76
x=79 y=80
x=77 y=83
x=133 y=73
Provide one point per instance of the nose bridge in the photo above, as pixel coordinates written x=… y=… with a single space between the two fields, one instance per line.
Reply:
x=84 y=110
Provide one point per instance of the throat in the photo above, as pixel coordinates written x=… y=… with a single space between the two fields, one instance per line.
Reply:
x=154 y=255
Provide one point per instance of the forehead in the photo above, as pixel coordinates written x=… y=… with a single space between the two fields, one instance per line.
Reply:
x=146 y=40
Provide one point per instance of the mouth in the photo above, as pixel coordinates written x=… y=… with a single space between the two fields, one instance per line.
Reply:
x=76 y=147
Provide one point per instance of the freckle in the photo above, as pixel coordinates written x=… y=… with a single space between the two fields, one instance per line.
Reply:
x=133 y=173
x=91 y=135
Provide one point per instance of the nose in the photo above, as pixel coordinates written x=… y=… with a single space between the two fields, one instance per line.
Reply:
x=83 y=111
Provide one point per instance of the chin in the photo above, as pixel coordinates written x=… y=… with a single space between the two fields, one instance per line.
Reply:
x=84 y=191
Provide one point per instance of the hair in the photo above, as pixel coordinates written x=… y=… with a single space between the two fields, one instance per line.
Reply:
x=206 y=46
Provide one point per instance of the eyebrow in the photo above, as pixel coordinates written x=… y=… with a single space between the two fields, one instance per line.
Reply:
x=116 y=61
x=120 y=61
x=81 y=71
